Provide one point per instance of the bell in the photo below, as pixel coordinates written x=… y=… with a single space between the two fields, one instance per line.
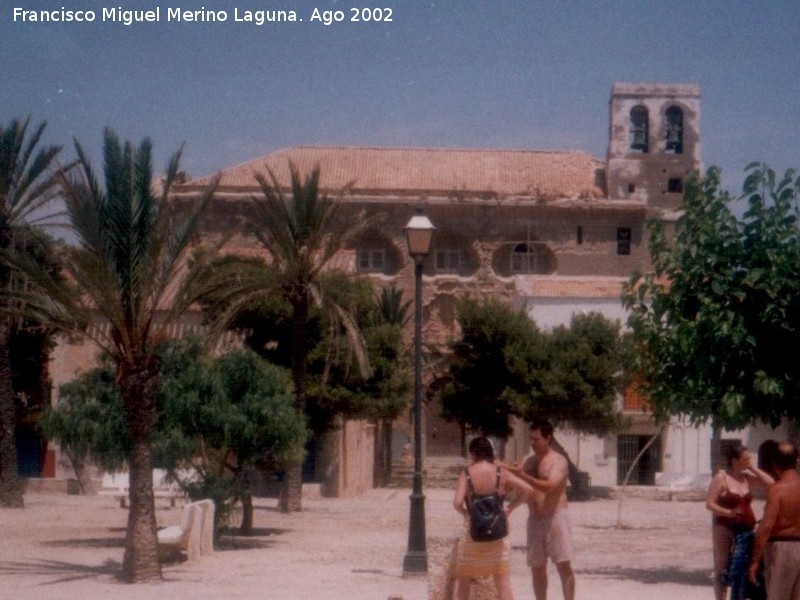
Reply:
x=639 y=141
x=674 y=139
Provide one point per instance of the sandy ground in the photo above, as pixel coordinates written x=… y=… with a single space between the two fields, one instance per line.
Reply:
x=68 y=547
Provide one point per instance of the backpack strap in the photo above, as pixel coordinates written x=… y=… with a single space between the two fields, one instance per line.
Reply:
x=470 y=488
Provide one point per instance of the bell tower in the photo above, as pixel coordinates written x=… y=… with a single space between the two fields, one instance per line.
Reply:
x=653 y=143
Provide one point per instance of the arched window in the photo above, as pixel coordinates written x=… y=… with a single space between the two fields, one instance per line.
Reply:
x=523 y=259
x=673 y=130
x=375 y=253
x=639 y=129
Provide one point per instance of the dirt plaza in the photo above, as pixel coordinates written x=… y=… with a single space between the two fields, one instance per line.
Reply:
x=70 y=547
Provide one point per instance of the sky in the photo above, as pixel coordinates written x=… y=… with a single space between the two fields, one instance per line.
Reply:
x=504 y=74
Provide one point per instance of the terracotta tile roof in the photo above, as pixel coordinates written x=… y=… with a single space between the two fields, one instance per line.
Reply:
x=440 y=172
x=570 y=287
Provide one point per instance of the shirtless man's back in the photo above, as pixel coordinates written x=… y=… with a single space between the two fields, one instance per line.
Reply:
x=778 y=535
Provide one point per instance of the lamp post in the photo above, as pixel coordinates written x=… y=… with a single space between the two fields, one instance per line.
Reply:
x=419 y=233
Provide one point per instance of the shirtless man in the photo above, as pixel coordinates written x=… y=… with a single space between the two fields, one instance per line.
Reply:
x=778 y=535
x=549 y=533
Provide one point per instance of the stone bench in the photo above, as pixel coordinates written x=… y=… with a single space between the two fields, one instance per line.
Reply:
x=194 y=536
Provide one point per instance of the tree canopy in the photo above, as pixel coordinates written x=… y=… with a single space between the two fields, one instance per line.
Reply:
x=222 y=416
x=503 y=365
x=714 y=320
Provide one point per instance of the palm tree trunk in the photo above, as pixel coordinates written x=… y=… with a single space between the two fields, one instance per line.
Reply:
x=140 y=563
x=10 y=488
x=291 y=494
x=292 y=491
x=382 y=468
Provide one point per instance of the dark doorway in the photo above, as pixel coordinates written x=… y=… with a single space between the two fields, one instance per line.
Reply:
x=30 y=446
x=628 y=448
x=442 y=438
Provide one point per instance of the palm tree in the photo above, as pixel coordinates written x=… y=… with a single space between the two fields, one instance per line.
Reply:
x=390 y=308
x=301 y=233
x=133 y=280
x=27 y=184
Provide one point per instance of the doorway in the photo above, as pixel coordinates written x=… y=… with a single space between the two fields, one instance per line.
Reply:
x=628 y=448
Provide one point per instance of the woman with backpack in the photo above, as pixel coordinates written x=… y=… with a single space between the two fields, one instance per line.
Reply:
x=483 y=549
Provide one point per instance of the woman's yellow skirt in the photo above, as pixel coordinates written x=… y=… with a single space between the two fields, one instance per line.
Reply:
x=481 y=559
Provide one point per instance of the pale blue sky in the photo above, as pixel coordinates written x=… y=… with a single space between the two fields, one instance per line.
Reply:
x=445 y=73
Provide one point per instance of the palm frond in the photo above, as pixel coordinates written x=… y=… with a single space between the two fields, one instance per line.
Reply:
x=230 y=285
x=27 y=175
x=131 y=246
x=37 y=294
x=339 y=316
x=302 y=232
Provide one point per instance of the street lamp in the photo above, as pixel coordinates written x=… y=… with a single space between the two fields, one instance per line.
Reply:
x=419 y=233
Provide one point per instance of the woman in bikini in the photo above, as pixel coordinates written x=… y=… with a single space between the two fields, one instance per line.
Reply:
x=484 y=559
x=729 y=500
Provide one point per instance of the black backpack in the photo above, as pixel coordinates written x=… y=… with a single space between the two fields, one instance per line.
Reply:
x=487 y=521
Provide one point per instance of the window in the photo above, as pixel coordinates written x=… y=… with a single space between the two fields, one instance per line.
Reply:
x=448 y=261
x=673 y=130
x=371 y=259
x=523 y=259
x=631 y=188
x=579 y=235
x=637 y=137
x=675 y=185
x=623 y=241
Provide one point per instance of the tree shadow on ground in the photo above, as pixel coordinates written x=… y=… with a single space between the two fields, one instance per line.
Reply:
x=87 y=543
x=693 y=577
x=624 y=527
x=260 y=537
x=61 y=571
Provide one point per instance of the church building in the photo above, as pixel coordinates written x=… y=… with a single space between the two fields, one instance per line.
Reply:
x=551 y=232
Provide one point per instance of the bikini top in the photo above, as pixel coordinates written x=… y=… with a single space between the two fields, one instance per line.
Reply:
x=731 y=500
x=746 y=520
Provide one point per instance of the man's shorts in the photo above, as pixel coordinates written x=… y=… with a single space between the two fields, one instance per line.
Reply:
x=549 y=536
x=782 y=569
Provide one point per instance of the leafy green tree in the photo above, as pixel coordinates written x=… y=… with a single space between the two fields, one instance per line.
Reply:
x=479 y=374
x=89 y=423
x=27 y=184
x=583 y=379
x=500 y=350
x=218 y=418
x=227 y=416
x=504 y=366
x=713 y=319
x=129 y=267
x=336 y=385
x=337 y=388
